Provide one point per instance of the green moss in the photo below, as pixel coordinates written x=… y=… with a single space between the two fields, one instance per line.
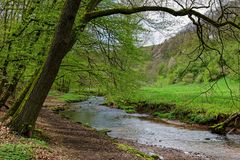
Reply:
x=136 y=152
x=15 y=124
x=104 y=131
x=218 y=128
x=128 y=109
x=164 y=115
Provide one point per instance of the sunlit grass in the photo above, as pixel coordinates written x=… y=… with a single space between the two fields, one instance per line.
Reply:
x=68 y=97
x=210 y=99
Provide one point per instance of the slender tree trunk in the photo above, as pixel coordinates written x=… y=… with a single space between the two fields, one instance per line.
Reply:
x=23 y=121
x=21 y=97
x=11 y=87
x=4 y=75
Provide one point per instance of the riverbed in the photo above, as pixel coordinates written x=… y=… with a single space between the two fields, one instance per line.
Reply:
x=137 y=128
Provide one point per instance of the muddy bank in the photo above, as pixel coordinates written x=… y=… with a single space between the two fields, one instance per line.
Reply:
x=173 y=115
x=55 y=104
x=78 y=142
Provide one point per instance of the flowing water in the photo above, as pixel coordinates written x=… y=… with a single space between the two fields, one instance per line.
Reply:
x=135 y=127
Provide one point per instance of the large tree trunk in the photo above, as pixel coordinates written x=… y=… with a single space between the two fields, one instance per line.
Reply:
x=23 y=121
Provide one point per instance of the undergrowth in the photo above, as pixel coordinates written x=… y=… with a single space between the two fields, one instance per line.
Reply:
x=10 y=151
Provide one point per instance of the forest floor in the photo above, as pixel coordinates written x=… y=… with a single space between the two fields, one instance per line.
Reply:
x=80 y=142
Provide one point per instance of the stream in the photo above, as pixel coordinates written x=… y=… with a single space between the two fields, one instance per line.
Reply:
x=135 y=127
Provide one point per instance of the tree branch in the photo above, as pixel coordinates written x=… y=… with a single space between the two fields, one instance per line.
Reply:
x=183 y=12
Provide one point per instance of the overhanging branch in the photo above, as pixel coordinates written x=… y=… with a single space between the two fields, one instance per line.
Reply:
x=183 y=12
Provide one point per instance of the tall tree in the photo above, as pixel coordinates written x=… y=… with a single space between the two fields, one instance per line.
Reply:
x=24 y=30
x=26 y=115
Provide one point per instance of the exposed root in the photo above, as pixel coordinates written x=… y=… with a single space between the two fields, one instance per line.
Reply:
x=221 y=128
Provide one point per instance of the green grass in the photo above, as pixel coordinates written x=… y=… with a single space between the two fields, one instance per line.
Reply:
x=136 y=152
x=25 y=148
x=128 y=109
x=192 y=103
x=76 y=95
x=72 y=97
x=16 y=152
x=68 y=97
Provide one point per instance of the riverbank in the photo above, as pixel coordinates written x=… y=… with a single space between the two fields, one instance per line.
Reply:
x=185 y=102
x=58 y=138
x=76 y=141
x=82 y=142
x=79 y=142
x=149 y=101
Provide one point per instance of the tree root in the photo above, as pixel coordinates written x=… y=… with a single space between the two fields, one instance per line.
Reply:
x=220 y=128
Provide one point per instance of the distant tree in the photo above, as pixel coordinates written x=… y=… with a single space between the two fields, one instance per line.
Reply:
x=22 y=34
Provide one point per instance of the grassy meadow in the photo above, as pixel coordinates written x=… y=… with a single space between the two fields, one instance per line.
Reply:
x=198 y=103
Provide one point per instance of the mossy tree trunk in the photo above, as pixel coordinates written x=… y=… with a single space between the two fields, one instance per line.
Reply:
x=12 y=86
x=4 y=74
x=23 y=121
x=21 y=97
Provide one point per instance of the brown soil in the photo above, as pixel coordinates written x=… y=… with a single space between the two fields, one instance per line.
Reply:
x=78 y=142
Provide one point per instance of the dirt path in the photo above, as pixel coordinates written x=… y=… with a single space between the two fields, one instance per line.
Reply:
x=78 y=142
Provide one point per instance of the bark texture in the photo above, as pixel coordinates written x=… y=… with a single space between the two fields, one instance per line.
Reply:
x=21 y=97
x=12 y=86
x=4 y=75
x=23 y=121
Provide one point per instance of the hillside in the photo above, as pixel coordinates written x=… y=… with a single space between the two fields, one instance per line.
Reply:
x=176 y=60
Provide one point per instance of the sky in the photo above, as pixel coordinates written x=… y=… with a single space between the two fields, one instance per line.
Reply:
x=172 y=25
x=169 y=25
